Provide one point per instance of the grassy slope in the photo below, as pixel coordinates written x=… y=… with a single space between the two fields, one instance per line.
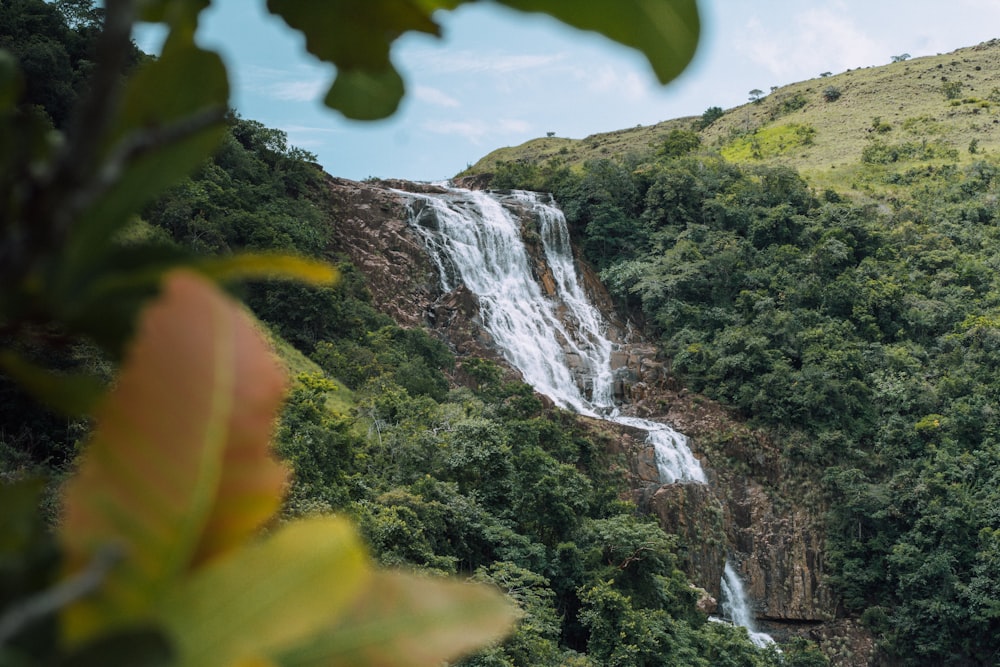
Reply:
x=575 y=152
x=894 y=92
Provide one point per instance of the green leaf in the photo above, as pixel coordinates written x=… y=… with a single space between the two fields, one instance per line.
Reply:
x=364 y=95
x=180 y=15
x=72 y=395
x=407 y=620
x=356 y=36
x=11 y=82
x=270 y=596
x=158 y=139
x=178 y=469
x=665 y=31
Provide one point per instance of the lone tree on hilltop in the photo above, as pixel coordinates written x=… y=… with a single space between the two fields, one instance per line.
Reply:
x=711 y=115
x=756 y=94
x=901 y=57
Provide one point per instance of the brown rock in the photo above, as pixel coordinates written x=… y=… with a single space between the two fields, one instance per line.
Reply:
x=691 y=511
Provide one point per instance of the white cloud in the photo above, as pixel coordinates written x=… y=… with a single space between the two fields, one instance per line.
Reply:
x=473 y=131
x=296 y=91
x=434 y=96
x=814 y=40
x=510 y=125
x=436 y=62
x=476 y=131
x=608 y=80
x=285 y=85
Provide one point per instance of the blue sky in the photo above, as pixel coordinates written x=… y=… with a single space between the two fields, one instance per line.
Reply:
x=499 y=77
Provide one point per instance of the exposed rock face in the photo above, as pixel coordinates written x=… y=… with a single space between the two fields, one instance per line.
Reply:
x=373 y=232
x=692 y=511
x=757 y=509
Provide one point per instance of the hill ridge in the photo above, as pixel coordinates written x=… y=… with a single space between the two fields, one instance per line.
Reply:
x=946 y=104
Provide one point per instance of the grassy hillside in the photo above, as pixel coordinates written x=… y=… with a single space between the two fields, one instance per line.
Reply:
x=575 y=152
x=909 y=99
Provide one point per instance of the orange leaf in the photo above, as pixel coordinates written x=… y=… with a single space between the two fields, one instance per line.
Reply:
x=408 y=620
x=178 y=467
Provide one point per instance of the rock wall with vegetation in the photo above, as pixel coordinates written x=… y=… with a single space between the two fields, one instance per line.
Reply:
x=850 y=328
x=829 y=345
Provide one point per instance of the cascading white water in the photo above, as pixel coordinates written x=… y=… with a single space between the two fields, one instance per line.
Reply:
x=474 y=239
x=735 y=608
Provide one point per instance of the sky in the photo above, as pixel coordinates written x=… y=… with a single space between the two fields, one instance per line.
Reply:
x=499 y=77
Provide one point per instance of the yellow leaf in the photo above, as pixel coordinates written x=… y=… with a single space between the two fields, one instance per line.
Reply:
x=264 y=598
x=178 y=468
x=268 y=265
x=405 y=620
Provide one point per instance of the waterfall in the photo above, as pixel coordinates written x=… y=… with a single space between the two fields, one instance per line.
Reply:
x=735 y=608
x=475 y=239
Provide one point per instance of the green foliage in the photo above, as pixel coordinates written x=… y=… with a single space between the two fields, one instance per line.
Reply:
x=358 y=40
x=710 y=115
x=769 y=142
x=831 y=93
x=679 y=142
x=952 y=90
x=879 y=152
x=788 y=104
x=879 y=126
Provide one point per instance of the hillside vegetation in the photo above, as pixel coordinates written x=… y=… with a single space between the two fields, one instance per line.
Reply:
x=481 y=481
x=837 y=285
x=825 y=265
x=937 y=107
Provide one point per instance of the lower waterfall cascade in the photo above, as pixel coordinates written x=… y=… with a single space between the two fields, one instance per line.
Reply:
x=474 y=239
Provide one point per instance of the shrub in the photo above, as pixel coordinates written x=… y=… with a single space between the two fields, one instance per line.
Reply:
x=951 y=89
x=831 y=93
x=711 y=115
x=789 y=104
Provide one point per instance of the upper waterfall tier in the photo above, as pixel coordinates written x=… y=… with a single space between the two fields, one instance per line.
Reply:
x=555 y=337
x=475 y=239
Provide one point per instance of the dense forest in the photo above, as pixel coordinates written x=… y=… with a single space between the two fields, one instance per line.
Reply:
x=862 y=334
x=480 y=480
x=859 y=332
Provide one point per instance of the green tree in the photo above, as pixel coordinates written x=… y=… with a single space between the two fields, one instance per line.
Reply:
x=183 y=392
x=709 y=116
x=679 y=142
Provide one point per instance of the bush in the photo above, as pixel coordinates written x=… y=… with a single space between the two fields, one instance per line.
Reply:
x=951 y=89
x=831 y=93
x=789 y=104
x=711 y=115
x=679 y=142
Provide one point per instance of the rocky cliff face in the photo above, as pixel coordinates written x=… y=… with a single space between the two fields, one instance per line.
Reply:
x=758 y=510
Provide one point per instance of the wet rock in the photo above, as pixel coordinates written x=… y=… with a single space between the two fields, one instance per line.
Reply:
x=692 y=512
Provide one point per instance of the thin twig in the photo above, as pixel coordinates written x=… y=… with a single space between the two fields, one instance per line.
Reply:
x=52 y=600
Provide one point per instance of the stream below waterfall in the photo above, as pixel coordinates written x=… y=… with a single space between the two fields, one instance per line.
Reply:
x=475 y=239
